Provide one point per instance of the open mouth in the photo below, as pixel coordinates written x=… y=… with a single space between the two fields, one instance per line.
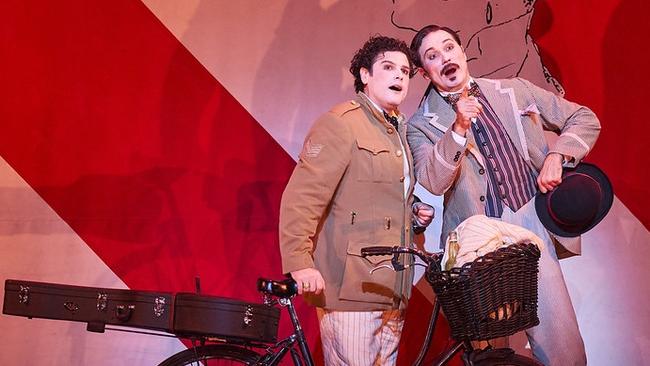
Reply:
x=396 y=88
x=449 y=69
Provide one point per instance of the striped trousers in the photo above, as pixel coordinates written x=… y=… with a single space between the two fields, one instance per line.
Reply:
x=360 y=338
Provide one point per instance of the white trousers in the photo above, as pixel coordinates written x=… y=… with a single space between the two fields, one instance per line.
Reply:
x=360 y=338
x=556 y=341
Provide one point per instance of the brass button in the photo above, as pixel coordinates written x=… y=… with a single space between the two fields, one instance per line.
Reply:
x=401 y=179
x=390 y=130
x=353 y=102
x=399 y=153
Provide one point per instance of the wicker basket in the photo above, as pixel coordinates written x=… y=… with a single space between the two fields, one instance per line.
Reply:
x=493 y=296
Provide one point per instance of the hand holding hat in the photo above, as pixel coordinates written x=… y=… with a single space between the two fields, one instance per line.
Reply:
x=578 y=204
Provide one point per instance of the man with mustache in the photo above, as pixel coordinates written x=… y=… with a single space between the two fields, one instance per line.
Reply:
x=352 y=188
x=481 y=143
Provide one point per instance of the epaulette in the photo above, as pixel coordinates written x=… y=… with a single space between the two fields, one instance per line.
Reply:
x=345 y=107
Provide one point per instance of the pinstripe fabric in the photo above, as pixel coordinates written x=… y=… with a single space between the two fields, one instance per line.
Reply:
x=360 y=338
x=510 y=181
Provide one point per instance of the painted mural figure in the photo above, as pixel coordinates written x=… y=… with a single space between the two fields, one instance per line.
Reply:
x=485 y=28
x=352 y=188
x=480 y=143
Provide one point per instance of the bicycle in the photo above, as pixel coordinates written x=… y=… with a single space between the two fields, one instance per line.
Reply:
x=236 y=352
x=494 y=296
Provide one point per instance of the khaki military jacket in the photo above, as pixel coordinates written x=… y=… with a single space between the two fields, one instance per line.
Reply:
x=347 y=192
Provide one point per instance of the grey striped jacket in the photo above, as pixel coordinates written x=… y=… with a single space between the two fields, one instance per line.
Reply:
x=444 y=167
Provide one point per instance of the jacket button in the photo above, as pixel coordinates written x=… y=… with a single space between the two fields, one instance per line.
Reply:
x=456 y=159
x=390 y=130
x=482 y=198
x=481 y=171
x=399 y=153
x=401 y=179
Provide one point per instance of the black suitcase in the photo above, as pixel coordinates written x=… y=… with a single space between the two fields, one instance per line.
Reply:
x=93 y=305
x=225 y=318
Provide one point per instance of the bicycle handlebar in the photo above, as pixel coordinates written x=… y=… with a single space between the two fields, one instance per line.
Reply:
x=378 y=250
x=427 y=258
x=283 y=289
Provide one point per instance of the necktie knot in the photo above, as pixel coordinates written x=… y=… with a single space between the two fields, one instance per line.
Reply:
x=452 y=98
x=392 y=120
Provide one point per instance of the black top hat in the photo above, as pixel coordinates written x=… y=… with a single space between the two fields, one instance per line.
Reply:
x=579 y=203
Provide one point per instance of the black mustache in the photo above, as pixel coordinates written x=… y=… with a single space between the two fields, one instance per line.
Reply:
x=447 y=67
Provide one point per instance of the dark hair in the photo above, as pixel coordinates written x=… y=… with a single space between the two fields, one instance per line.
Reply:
x=419 y=37
x=367 y=55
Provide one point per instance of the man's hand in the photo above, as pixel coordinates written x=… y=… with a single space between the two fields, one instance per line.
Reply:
x=423 y=213
x=309 y=280
x=467 y=107
x=551 y=174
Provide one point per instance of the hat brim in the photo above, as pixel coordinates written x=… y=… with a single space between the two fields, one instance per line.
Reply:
x=605 y=204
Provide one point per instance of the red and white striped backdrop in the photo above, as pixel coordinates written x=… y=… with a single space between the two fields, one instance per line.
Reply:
x=144 y=143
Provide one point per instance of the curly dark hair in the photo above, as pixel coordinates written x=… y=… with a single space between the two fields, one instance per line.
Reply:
x=367 y=55
x=419 y=37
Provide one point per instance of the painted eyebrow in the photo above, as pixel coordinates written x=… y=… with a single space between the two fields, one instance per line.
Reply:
x=432 y=48
x=394 y=64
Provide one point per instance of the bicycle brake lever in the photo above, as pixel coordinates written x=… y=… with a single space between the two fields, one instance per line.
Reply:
x=397 y=266
x=380 y=267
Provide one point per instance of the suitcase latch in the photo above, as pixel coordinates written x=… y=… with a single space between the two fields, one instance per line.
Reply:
x=124 y=312
x=248 y=315
x=102 y=301
x=23 y=295
x=70 y=306
x=159 y=306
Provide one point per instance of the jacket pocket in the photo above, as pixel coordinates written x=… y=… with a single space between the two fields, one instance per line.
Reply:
x=359 y=284
x=374 y=161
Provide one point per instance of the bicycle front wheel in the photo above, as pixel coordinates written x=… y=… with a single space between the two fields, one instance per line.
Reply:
x=213 y=355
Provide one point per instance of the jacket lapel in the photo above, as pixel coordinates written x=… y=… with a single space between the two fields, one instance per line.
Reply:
x=503 y=102
x=443 y=117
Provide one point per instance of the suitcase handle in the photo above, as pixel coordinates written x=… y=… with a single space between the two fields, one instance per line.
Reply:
x=123 y=312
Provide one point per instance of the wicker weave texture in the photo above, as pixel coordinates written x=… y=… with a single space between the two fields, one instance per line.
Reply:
x=493 y=296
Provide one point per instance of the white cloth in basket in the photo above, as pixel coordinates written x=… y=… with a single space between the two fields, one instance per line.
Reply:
x=479 y=235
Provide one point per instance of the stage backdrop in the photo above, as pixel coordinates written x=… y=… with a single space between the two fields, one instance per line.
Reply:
x=144 y=143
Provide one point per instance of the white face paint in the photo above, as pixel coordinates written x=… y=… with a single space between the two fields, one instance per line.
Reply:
x=388 y=83
x=444 y=61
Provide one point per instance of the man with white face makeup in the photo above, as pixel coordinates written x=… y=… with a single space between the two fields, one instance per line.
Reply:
x=352 y=188
x=481 y=143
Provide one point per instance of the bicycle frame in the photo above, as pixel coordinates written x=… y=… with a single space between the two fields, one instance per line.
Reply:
x=301 y=358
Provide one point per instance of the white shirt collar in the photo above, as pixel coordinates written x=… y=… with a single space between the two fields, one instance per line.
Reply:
x=444 y=93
